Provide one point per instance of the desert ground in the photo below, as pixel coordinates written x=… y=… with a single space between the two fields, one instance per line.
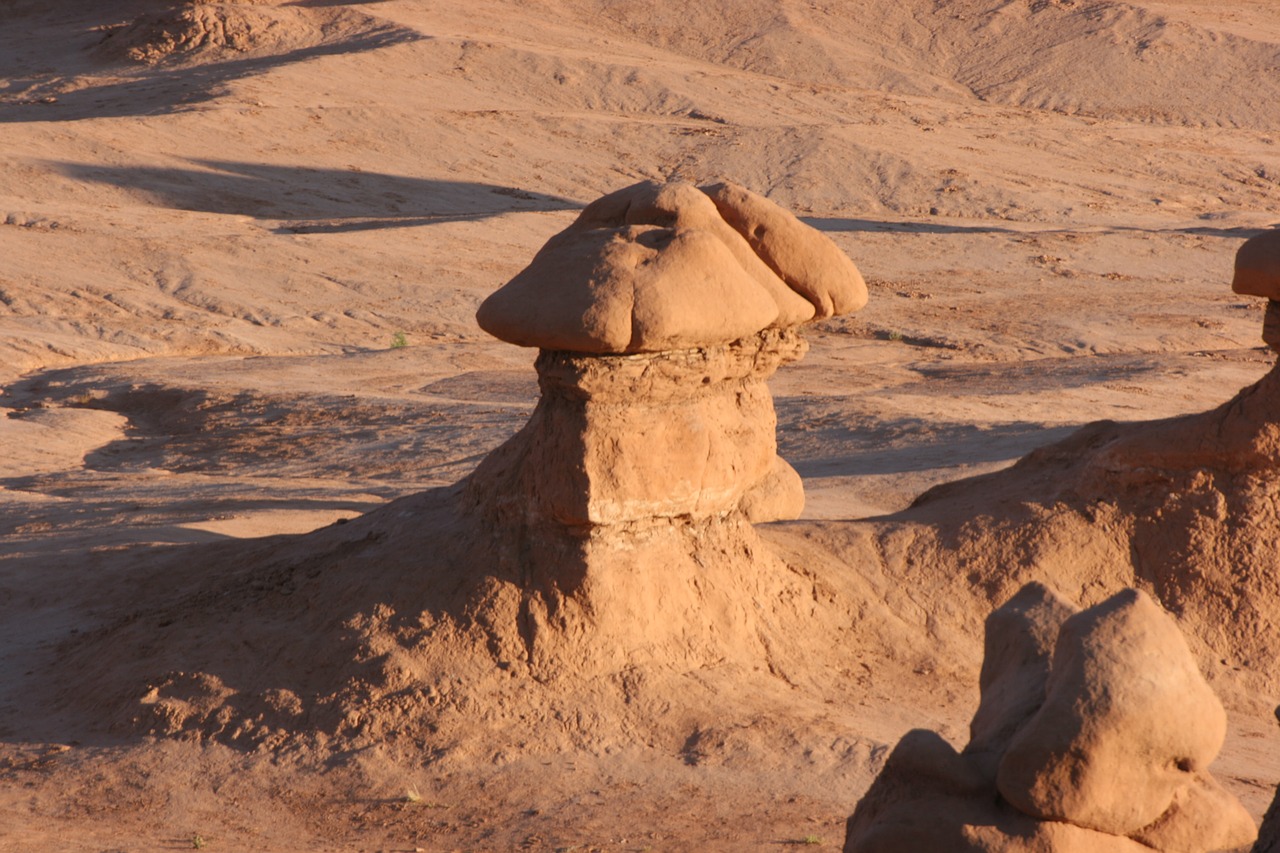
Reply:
x=241 y=250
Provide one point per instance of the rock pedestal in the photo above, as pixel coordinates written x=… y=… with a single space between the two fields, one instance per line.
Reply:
x=628 y=440
x=622 y=511
x=1257 y=273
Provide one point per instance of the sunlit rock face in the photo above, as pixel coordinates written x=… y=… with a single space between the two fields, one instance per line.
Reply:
x=1094 y=733
x=660 y=313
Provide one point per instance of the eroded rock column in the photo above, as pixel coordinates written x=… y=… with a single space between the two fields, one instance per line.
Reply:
x=633 y=439
x=623 y=509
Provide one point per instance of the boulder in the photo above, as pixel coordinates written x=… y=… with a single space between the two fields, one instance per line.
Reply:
x=1257 y=268
x=1257 y=273
x=630 y=289
x=1015 y=664
x=682 y=205
x=1104 y=748
x=1126 y=722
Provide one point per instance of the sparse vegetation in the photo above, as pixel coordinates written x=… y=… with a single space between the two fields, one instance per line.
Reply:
x=398 y=340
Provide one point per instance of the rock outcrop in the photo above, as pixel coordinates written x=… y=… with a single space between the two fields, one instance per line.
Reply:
x=652 y=449
x=659 y=321
x=1269 y=833
x=1102 y=745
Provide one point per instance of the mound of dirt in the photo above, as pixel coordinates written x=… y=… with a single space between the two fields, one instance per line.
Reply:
x=196 y=32
x=1182 y=508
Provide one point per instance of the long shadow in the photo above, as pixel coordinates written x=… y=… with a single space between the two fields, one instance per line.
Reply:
x=322 y=200
x=297 y=593
x=160 y=89
x=820 y=437
x=864 y=225
x=96 y=514
x=829 y=223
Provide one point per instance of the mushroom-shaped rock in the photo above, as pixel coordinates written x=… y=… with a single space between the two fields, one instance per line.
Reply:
x=637 y=288
x=1127 y=721
x=658 y=324
x=648 y=268
x=1257 y=270
x=805 y=258
x=652 y=451
x=1257 y=273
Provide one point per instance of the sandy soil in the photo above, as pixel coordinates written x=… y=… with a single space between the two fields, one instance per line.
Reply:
x=215 y=230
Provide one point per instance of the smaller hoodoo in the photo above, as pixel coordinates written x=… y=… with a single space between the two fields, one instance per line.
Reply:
x=1094 y=733
x=659 y=315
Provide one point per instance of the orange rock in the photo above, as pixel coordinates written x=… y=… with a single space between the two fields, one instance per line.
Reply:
x=1015 y=664
x=1127 y=721
x=682 y=205
x=802 y=256
x=1104 y=750
x=637 y=288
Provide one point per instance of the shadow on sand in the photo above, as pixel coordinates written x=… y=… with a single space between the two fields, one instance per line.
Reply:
x=837 y=224
x=321 y=200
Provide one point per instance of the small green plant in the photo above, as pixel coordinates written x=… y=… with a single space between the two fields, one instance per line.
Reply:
x=398 y=340
x=197 y=842
x=895 y=336
x=811 y=839
x=412 y=796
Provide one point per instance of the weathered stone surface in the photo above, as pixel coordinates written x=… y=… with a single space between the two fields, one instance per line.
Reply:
x=779 y=496
x=1203 y=816
x=625 y=439
x=1104 y=750
x=655 y=267
x=1127 y=720
x=1271 y=325
x=682 y=205
x=930 y=798
x=805 y=258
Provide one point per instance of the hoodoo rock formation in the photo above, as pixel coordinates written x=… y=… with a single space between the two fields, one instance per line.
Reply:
x=659 y=313
x=658 y=326
x=603 y=558
x=1094 y=733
